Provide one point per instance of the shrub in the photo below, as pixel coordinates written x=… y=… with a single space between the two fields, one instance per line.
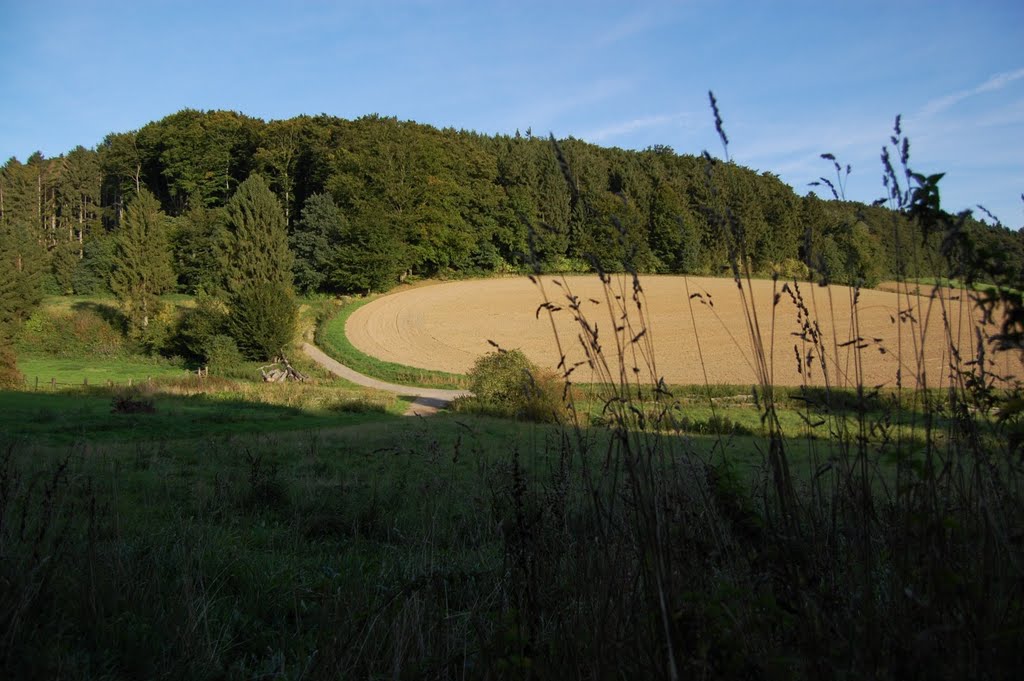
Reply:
x=222 y=356
x=132 y=402
x=262 y=320
x=88 y=330
x=506 y=383
x=10 y=376
x=199 y=326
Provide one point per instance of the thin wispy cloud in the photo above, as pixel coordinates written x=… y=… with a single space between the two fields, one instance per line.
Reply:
x=625 y=127
x=547 y=108
x=993 y=84
x=625 y=29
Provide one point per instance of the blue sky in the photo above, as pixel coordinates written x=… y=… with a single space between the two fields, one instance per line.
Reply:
x=793 y=79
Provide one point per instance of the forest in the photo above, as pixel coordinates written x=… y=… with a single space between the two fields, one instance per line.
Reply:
x=216 y=202
x=370 y=200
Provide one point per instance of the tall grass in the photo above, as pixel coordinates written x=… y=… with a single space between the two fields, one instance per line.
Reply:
x=879 y=536
x=893 y=557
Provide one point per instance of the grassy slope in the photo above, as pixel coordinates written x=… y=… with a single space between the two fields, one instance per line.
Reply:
x=97 y=371
x=85 y=415
x=291 y=539
x=292 y=525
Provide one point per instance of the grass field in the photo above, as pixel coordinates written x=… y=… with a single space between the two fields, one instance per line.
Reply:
x=247 y=530
x=76 y=371
x=86 y=415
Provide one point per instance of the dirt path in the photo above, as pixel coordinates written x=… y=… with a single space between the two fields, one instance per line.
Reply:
x=427 y=402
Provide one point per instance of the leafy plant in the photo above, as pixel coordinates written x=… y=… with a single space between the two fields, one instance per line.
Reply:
x=506 y=383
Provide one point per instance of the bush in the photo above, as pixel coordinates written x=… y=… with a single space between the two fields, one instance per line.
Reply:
x=132 y=401
x=88 y=330
x=10 y=376
x=222 y=356
x=506 y=383
x=262 y=320
x=199 y=326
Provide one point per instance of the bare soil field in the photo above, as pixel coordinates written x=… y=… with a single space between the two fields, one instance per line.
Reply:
x=447 y=326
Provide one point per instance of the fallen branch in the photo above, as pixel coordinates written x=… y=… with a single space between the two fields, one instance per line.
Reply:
x=281 y=371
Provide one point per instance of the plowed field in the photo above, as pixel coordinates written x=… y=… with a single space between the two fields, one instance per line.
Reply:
x=447 y=326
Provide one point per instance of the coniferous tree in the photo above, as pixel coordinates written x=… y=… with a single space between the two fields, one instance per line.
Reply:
x=315 y=239
x=254 y=242
x=194 y=240
x=262 y=319
x=64 y=259
x=21 y=273
x=256 y=265
x=21 y=261
x=92 y=273
x=141 y=267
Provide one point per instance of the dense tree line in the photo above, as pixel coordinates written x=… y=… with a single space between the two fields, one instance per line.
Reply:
x=366 y=202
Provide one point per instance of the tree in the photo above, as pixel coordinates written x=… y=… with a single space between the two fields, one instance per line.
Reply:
x=202 y=155
x=675 y=236
x=278 y=156
x=21 y=265
x=63 y=263
x=254 y=242
x=21 y=261
x=370 y=257
x=256 y=266
x=122 y=160
x=78 y=188
x=332 y=255
x=92 y=273
x=142 y=261
x=194 y=240
x=262 y=319
x=316 y=238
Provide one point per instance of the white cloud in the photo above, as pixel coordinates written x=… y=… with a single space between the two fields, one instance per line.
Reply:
x=625 y=29
x=625 y=127
x=996 y=82
x=544 y=110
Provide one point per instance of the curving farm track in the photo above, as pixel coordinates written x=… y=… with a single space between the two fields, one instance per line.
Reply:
x=426 y=401
x=447 y=326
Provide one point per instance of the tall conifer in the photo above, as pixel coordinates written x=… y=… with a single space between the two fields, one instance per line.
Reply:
x=254 y=245
x=257 y=271
x=142 y=267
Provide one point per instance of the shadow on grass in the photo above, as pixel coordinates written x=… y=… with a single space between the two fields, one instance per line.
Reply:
x=86 y=414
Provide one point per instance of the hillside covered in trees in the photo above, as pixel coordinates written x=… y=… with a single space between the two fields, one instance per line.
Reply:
x=369 y=201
